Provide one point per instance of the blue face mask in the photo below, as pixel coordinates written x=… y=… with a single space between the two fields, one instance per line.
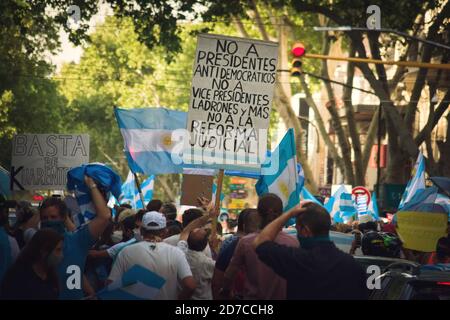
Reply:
x=56 y=225
x=309 y=242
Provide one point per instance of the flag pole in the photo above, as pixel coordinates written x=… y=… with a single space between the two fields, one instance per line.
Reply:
x=138 y=185
x=217 y=202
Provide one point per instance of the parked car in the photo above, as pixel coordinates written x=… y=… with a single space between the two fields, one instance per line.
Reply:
x=406 y=280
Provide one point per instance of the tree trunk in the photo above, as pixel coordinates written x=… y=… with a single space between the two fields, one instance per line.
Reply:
x=351 y=123
x=323 y=131
x=336 y=121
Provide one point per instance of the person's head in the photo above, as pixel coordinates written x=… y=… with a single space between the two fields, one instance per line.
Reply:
x=190 y=215
x=368 y=226
x=45 y=247
x=125 y=214
x=53 y=212
x=198 y=239
x=248 y=221
x=153 y=225
x=128 y=225
x=173 y=228
x=154 y=205
x=24 y=214
x=169 y=210
x=139 y=216
x=443 y=249
x=315 y=221
x=53 y=209
x=269 y=208
x=126 y=206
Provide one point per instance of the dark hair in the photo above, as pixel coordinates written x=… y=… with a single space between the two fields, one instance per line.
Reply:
x=243 y=218
x=269 y=208
x=126 y=206
x=173 y=228
x=146 y=233
x=55 y=202
x=443 y=248
x=368 y=226
x=44 y=241
x=196 y=242
x=316 y=218
x=190 y=215
x=129 y=223
x=154 y=205
x=140 y=214
x=169 y=210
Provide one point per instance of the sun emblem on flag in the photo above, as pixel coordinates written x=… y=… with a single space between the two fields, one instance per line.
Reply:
x=284 y=189
x=166 y=141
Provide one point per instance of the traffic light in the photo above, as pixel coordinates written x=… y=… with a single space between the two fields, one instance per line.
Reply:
x=298 y=50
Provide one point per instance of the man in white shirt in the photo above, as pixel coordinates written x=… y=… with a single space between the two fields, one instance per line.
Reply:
x=165 y=260
x=188 y=216
x=193 y=241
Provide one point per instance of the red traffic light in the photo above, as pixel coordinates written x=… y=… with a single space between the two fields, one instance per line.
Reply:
x=298 y=49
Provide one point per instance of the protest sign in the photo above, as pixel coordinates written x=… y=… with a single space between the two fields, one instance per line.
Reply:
x=231 y=98
x=195 y=186
x=41 y=161
x=421 y=230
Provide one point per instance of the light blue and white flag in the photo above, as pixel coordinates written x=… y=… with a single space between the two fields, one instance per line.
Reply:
x=285 y=181
x=305 y=195
x=373 y=207
x=416 y=183
x=340 y=205
x=106 y=179
x=138 y=283
x=147 y=135
x=130 y=193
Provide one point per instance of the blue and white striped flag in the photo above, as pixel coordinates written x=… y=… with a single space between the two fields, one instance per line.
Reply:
x=373 y=207
x=340 y=205
x=130 y=193
x=416 y=183
x=105 y=178
x=361 y=204
x=285 y=182
x=138 y=283
x=147 y=135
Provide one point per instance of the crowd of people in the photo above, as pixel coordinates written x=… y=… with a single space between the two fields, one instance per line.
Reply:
x=44 y=256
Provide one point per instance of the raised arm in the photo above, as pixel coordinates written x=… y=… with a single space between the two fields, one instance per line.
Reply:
x=100 y=222
x=270 y=232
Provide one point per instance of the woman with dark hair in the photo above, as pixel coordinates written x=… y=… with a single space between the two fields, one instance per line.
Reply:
x=33 y=275
x=27 y=217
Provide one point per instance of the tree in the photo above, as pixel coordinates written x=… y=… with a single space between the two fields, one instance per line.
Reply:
x=398 y=126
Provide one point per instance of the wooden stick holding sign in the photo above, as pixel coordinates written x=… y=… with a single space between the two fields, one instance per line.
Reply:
x=217 y=203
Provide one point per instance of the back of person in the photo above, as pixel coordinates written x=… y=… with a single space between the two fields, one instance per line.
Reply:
x=326 y=273
x=261 y=281
x=158 y=257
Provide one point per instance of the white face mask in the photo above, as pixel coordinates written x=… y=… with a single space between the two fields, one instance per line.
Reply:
x=117 y=236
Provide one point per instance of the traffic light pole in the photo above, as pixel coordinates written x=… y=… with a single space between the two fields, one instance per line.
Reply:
x=413 y=64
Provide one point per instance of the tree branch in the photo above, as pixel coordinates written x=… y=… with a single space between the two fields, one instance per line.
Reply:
x=351 y=123
x=240 y=26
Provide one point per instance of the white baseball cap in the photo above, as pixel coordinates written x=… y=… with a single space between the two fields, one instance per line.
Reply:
x=153 y=217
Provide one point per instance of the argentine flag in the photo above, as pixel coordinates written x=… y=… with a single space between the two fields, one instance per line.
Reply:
x=130 y=193
x=373 y=207
x=340 y=205
x=147 y=135
x=416 y=183
x=138 y=283
x=308 y=196
x=284 y=182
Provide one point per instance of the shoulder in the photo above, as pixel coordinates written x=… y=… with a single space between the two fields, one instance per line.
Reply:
x=286 y=239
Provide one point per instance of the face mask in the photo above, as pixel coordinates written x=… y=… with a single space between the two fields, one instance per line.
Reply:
x=117 y=236
x=54 y=260
x=58 y=226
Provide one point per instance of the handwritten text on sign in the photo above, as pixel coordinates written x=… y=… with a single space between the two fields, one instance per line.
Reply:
x=231 y=99
x=41 y=161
